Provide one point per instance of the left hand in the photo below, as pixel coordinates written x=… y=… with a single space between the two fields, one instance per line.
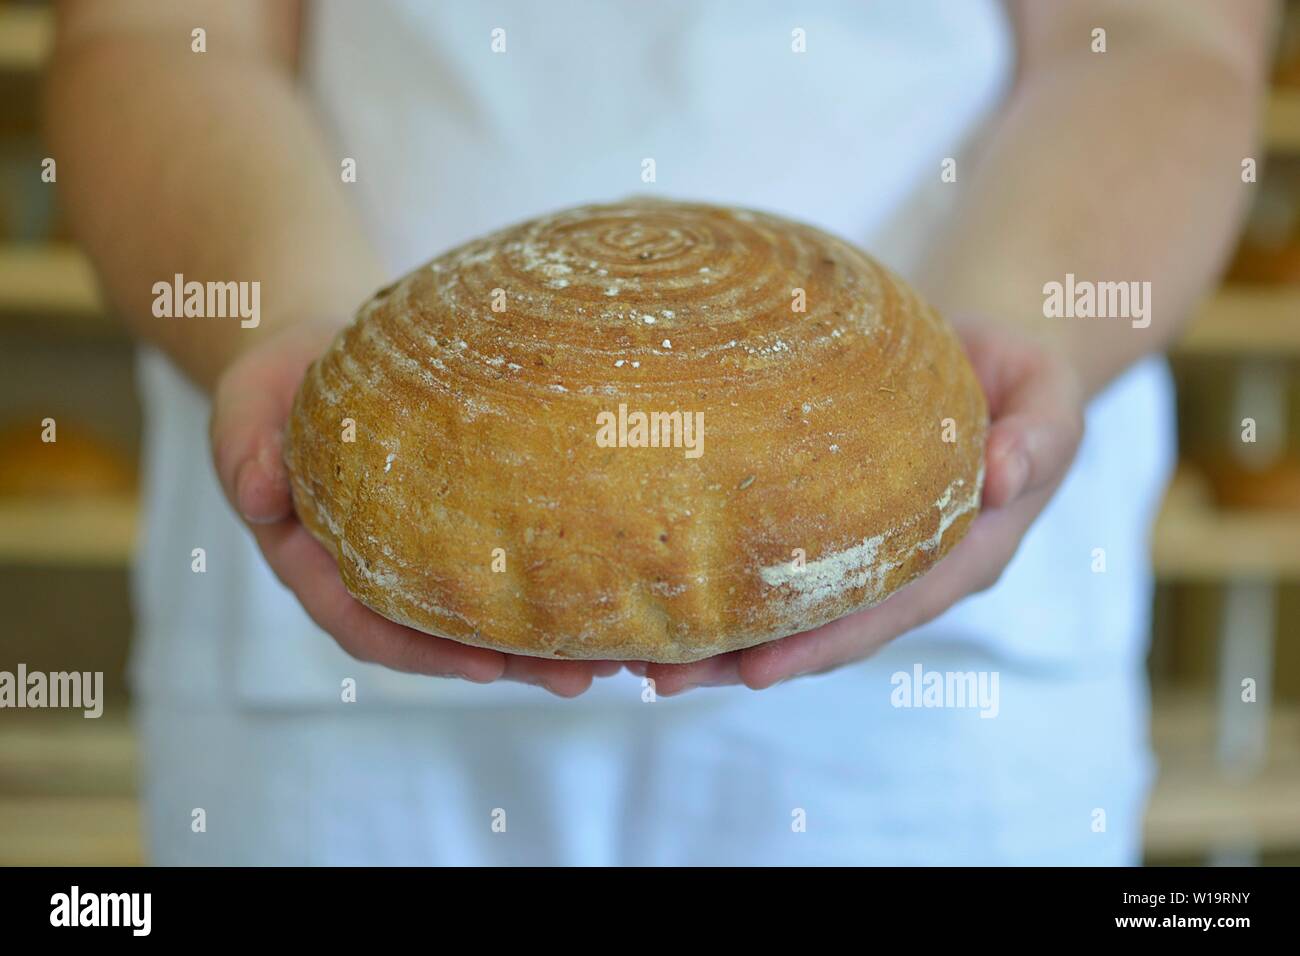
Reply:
x=1036 y=410
x=251 y=402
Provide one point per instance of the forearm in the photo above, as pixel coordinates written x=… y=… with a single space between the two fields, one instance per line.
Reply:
x=1113 y=168
x=207 y=165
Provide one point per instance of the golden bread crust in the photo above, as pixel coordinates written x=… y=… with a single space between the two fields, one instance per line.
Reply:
x=476 y=430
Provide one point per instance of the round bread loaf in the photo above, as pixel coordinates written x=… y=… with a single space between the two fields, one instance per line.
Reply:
x=78 y=464
x=643 y=431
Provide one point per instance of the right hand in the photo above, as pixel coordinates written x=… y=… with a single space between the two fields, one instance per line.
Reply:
x=250 y=406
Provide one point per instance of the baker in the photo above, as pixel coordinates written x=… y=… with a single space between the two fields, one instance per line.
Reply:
x=236 y=671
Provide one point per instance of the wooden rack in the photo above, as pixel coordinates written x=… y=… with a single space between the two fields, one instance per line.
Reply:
x=26 y=36
x=1195 y=807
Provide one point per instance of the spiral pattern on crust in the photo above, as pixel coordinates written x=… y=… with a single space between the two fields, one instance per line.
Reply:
x=589 y=297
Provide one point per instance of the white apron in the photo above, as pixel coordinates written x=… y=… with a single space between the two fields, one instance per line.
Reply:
x=239 y=694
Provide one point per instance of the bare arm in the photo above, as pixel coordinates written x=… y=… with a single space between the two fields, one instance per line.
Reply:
x=210 y=165
x=1115 y=166
x=205 y=164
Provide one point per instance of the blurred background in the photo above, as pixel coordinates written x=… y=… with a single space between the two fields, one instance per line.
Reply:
x=1226 y=546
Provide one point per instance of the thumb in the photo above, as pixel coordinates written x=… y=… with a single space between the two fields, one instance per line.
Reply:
x=1031 y=445
x=1036 y=402
x=249 y=410
x=250 y=407
x=247 y=450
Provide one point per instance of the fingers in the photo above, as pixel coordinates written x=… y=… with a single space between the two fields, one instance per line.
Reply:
x=716 y=671
x=250 y=407
x=1035 y=401
x=307 y=569
x=974 y=564
x=848 y=639
x=1037 y=426
x=562 y=678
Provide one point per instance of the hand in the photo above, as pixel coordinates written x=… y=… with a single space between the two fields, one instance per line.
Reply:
x=1036 y=407
x=251 y=403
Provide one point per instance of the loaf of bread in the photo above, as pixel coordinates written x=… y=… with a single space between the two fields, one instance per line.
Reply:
x=642 y=431
x=1271 y=486
x=78 y=464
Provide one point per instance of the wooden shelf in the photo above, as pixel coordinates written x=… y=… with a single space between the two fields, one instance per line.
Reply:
x=63 y=754
x=1214 y=547
x=47 y=279
x=1193 y=540
x=1282 y=121
x=70 y=831
x=68 y=790
x=1193 y=807
x=26 y=36
x=50 y=289
x=95 y=532
x=1244 y=320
